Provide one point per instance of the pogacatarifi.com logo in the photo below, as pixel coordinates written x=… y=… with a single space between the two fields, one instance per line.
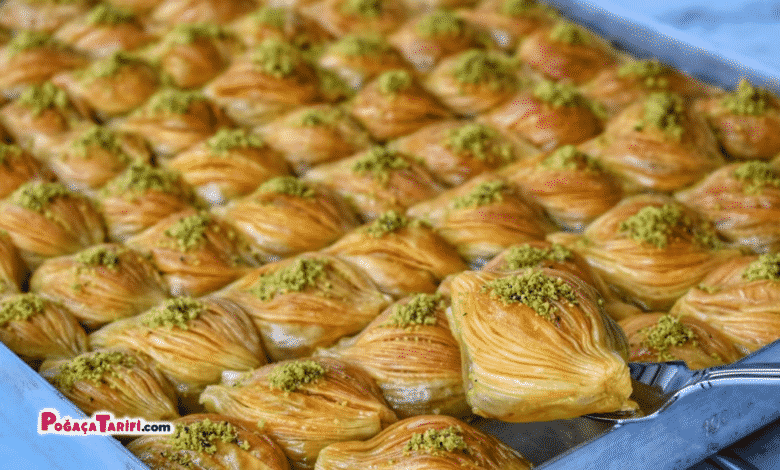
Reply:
x=101 y=423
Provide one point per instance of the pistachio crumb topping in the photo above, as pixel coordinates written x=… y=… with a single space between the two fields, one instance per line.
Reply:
x=201 y=437
x=101 y=137
x=664 y=111
x=653 y=224
x=534 y=289
x=190 y=232
x=365 y=8
x=649 y=71
x=111 y=65
x=20 y=307
x=26 y=40
x=388 y=222
x=37 y=195
x=518 y=7
x=441 y=22
x=420 y=310
x=99 y=256
x=174 y=101
x=476 y=66
x=361 y=45
x=42 y=97
x=480 y=141
x=708 y=289
x=276 y=58
x=187 y=33
x=319 y=117
x=559 y=94
x=296 y=277
x=8 y=150
x=568 y=157
x=141 y=177
x=288 y=185
x=291 y=376
x=569 y=33
x=756 y=175
x=483 y=194
x=393 y=82
x=332 y=86
x=105 y=13
x=437 y=441
x=747 y=100
x=271 y=16
x=527 y=256
x=178 y=312
x=765 y=268
x=228 y=139
x=92 y=368
x=378 y=162
x=666 y=333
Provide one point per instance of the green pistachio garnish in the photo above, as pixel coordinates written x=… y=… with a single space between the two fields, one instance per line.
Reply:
x=476 y=67
x=361 y=45
x=276 y=58
x=649 y=71
x=708 y=289
x=190 y=232
x=20 y=307
x=99 y=256
x=270 y=16
x=440 y=23
x=26 y=40
x=747 y=100
x=228 y=139
x=393 y=82
x=664 y=111
x=569 y=33
x=568 y=157
x=319 y=117
x=765 y=268
x=480 y=141
x=332 y=86
x=92 y=368
x=108 y=14
x=293 y=375
x=174 y=101
x=654 y=225
x=42 y=97
x=481 y=195
x=8 y=150
x=527 y=256
x=177 y=312
x=389 y=222
x=518 y=7
x=668 y=332
x=141 y=177
x=366 y=8
x=534 y=289
x=111 y=65
x=187 y=33
x=37 y=195
x=288 y=185
x=201 y=437
x=757 y=175
x=378 y=162
x=421 y=310
x=99 y=136
x=437 y=441
x=559 y=94
x=296 y=277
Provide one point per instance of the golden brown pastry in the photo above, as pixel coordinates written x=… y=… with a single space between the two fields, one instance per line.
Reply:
x=122 y=382
x=401 y=256
x=556 y=354
x=342 y=17
x=12 y=268
x=228 y=165
x=394 y=104
x=36 y=329
x=540 y=254
x=286 y=216
x=378 y=180
x=572 y=186
x=409 y=350
x=282 y=23
x=429 y=442
x=210 y=441
x=304 y=405
x=17 y=167
x=195 y=252
x=740 y=298
x=101 y=284
x=473 y=81
x=357 y=58
x=508 y=22
x=174 y=12
x=271 y=79
x=658 y=144
x=743 y=201
x=190 y=340
x=46 y=219
x=481 y=218
x=104 y=30
x=36 y=15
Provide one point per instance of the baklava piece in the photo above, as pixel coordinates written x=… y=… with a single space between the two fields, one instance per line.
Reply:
x=122 y=382
x=454 y=151
x=556 y=179
x=269 y=80
x=560 y=355
x=195 y=252
x=549 y=115
x=342 y=17
x=210 y=441
x=658 y=144
x=13 y=271
x=228 y=165
x=658 y=337
x=401 y=256
x=36 y=15
x=356 y=59
x=539 y=254
x=286 y=216
x=304 y=405
x=17 y=167
x=394 y=104
x=411 y=354
x=47 y=219
x=566 y=51
x=508 y=22
x=746 y=122
x=474 y=81
x=103 y=31
x=306 y=302
x=740 y=298
x=743 y=201
x=481 y=218
x=190 y=341
x=35 y=328
x=173 y=120
x=140 y=197
x=315 y=134
x=429 y=442
x=378 y=180
x=175 y=12
x=101 y=284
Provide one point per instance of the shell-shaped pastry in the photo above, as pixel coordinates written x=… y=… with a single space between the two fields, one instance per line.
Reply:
x=211 y=440
x=401 y=256
x=13 y=271
x=39 y=16
x=304 y=405
x=101 y=284
x=411 y=354
x=286 y=216
x=17 y=167
x=122 y=382
x=306 y=302
x=357 y=58
x=342 y=17
x=508 y=22
x=170 y=12
x=560 y=355
x=191 y=341
x=104 y=30
x=431 y=442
